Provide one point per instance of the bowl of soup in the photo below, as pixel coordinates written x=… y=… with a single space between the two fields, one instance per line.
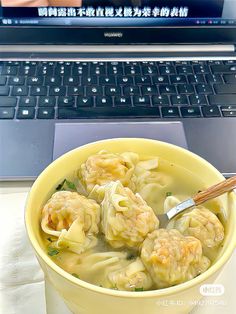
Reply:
x=91 y=217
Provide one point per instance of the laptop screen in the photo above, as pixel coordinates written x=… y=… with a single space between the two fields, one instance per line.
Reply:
x=118 y=13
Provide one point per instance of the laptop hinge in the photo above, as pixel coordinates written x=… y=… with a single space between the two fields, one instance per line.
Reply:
x=116 y=48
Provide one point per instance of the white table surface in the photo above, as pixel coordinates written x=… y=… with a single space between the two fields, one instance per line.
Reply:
x=14 y=194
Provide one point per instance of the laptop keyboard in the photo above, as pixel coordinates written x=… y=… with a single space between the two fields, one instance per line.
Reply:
x=77 y=90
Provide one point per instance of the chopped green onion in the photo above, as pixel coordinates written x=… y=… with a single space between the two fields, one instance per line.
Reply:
x=75 y=275
x=52 y=251
x=168 y=194
x=71 y=185
x=138 y=289
x=49 y=239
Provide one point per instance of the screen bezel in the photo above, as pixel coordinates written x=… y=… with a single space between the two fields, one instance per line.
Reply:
x=143 y=35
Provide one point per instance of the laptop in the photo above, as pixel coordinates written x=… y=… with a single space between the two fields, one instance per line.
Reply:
x=69 y=65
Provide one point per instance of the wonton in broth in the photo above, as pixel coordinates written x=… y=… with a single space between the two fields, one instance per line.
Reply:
x=104 y=229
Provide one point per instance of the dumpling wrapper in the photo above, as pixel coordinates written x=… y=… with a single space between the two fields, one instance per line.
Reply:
x=131 y=277
x=150 y=182
x=126 y=217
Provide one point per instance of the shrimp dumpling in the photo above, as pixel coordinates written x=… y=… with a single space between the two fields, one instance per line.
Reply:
x=172 y=258
x=202 y=224
x=126 y=217
x=73 y=218
x=105 y=167
x=132 y=277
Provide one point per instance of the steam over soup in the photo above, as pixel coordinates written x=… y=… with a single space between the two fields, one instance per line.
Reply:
x=102 y=226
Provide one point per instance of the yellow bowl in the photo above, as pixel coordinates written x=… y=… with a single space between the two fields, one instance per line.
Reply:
x=82 y=297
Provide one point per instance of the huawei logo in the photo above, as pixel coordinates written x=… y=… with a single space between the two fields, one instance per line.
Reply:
x=112 y=35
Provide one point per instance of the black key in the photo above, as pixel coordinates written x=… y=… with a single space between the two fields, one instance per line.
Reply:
x=201 y=69
x=144 y=80
x=185 y=89
x=229 y=108
x=229 y=114
x=76 y=91
x=89 y=80
x=35 y=80
x=149 y=70
x=160 y=100
x=93 y=90
x=223 y=69
x=62 y=70
x=211 y=111
x=57 y=91
x=122 y=101
x=132 y=70
x=167 y=89
x=215 y=62
x=131 y=90
x=25 y=113
x=66 y=101
x=45 y=70
x=196 y=79
x=190 y=112
x=197 y=100
x=84 y=102
x=8 y=101
x=38 y=91
x=161 y=79
x=149 y=90
x=225 y=88
x=115 y=69
x=107 y=80
x=16 y=80
x=46 y=113
x=125 y=80
x=214 y=78
x=204 y=89
x=3 y=80
x=27 y=70
x=166 y=70
x=53 y=80
x=80 y=70
x=108 y=112
x=71 y=80
x=103 y=101
x=9 y=70
x=7 y=113
x=112 y=90
x=230 y=62
x=178 y=79
x=98 y=70
x=170 y=112
x=20 y=91
x=4 y=90
x=47 y=101
x=230 y=78
x=141 y=101
x=184 y=69
x=222 y=99
x=179 y=100
x=27 y=101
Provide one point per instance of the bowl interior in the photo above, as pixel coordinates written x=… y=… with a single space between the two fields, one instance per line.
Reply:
x=45 y=185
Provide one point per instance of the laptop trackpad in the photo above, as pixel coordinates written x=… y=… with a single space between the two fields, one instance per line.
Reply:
x=71 y=135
